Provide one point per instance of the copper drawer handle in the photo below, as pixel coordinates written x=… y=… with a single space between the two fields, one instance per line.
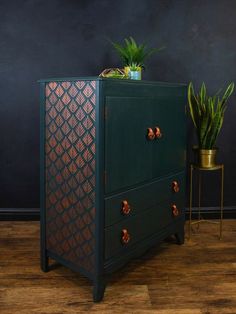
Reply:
x=125 y=207
x=125 y=236
x=157 y=132
x=175 y=186
x=175 y=210
x=150 y=134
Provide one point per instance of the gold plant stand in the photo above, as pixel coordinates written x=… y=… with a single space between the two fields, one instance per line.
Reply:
x=200 y=169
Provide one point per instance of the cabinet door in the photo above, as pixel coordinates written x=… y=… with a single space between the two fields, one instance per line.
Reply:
x=169 y=150
x=128 y=153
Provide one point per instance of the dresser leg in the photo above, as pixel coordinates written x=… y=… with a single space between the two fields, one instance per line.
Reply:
x=98 y=291
x=44 y=263
x=180 y=236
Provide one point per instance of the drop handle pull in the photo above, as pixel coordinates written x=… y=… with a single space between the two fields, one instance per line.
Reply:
x=157 y=132
x=150 y=134
x=175 y=186
x=125 y=207
x=175 y=210
x=125 y=237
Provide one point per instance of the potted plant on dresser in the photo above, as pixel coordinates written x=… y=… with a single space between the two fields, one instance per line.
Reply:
x=133 y=56
x=207 y=113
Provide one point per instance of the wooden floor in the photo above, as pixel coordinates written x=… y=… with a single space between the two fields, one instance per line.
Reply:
x=197 y=277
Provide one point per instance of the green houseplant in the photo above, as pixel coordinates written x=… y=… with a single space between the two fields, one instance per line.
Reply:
x=133 y=56
x=207 y=113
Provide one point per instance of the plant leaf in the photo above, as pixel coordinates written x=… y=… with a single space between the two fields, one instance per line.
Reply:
x=207 y=113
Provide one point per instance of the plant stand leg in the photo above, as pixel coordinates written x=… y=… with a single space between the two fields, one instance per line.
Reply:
x=98 y=291
x=180 y=236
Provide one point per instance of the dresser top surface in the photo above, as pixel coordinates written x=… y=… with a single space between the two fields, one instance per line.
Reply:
x=96 y=78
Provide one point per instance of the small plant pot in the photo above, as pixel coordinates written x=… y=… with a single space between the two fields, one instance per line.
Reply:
x=205 y=158
x=133 y=75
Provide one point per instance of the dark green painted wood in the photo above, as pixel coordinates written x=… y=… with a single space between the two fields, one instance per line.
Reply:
x=128 y=153
x=130 y=167
x=142 y=198
x=131 y=158
x=135 y=251
x=140 y=226
x=98 y=290
x=131 y=88
x=99 y=286
x=114 y=85
x=43 y=251
x=169 y=153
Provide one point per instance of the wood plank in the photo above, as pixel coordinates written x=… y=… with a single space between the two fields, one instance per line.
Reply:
x=197 y=277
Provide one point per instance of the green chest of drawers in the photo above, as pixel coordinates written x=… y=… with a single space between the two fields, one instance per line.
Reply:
x=112 y=171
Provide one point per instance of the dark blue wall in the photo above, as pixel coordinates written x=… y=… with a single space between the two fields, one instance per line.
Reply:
x=42 y=38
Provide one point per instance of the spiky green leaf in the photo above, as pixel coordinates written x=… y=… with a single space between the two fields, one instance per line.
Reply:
x=207 y=113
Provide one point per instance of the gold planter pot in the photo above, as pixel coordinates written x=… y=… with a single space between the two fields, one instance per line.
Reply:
x=206 y=158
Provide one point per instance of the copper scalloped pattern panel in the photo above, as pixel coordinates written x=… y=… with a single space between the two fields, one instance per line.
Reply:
x=70 y=171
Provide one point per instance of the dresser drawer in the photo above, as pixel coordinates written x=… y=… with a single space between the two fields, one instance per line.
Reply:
x=125 y=234
x=124 y=205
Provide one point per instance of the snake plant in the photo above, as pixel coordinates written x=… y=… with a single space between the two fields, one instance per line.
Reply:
x=207 y=113
x=132 y=53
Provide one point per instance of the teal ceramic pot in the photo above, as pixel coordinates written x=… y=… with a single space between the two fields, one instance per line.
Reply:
x=135 y=75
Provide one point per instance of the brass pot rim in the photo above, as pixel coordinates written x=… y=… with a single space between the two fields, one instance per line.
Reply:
x=196 y=148
x=207 y=151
